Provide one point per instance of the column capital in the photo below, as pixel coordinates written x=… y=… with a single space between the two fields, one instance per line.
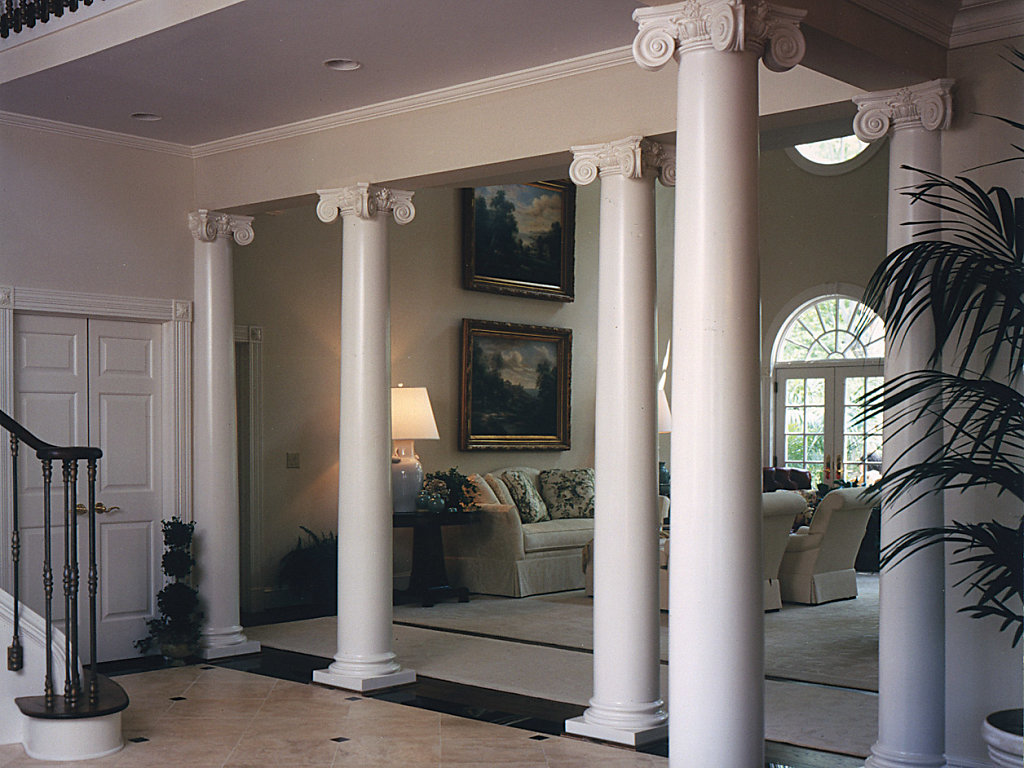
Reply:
x=364 y=200
x=927 y=105
x=772 y=31
x=630 y=157
x=206 y=226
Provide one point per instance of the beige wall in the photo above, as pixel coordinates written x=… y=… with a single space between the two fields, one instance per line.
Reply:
x=89 y=216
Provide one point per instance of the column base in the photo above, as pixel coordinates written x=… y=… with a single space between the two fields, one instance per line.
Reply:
x=220 y=644
x=883 y=757
x=351 y=682
x=620 y=734
x=75 y=739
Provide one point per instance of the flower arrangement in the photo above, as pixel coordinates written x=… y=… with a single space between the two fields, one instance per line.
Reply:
x=452 y=486
x=175 y=632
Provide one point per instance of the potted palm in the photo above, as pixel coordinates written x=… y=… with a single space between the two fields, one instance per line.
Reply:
x=967 y=273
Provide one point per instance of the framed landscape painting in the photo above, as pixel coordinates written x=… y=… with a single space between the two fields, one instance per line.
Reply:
x=518 y=239
x=515 y=386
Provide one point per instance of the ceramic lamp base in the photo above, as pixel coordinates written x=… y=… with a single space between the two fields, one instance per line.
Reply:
x=406 y=477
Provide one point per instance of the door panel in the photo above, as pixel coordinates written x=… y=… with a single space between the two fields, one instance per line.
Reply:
x=95 y=382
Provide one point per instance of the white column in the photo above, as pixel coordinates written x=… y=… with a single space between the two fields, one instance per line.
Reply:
x=716 y=622
x=627 y=706
x=364 y=660
x=911 y=632
x=215 y=442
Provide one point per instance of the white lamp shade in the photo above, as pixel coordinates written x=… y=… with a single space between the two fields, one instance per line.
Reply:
x=664 y=414
x=411 y=415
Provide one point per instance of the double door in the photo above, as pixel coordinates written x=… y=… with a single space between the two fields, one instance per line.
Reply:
x=818 y=424
x=93 y=382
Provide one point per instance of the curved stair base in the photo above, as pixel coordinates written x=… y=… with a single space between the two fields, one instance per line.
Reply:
x=73 y=739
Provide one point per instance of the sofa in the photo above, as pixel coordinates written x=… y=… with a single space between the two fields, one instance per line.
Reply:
x=818 y=564
x=531 y=531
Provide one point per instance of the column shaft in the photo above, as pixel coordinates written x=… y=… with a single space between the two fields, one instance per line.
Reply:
x=716 y=632
x=911 y=639
x=626 y=706
x=215 y=441
x=364 y=660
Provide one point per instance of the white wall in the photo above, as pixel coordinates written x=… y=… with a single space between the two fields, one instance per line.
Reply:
x=983 y=673
x=89 y=216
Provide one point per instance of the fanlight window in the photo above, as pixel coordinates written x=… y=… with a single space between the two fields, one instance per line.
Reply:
x=834 y=328
x=832 y=151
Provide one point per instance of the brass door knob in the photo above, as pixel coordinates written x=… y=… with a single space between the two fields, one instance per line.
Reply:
x=101 y=509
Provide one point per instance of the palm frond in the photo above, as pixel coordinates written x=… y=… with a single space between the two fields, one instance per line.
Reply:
x=995 y=553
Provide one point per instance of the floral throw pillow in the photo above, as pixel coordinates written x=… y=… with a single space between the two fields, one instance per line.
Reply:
x=568 y=492
x=524 y=494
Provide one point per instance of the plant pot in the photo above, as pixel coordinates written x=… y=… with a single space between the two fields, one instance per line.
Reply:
x=176 y=653
x=1002 y=732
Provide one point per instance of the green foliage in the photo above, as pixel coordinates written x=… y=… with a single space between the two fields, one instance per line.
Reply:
x=310 y=570
x=181 y=618
x=453 y=486
x=970 y=284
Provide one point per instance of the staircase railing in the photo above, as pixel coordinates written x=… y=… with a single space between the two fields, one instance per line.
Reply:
x=16 y=15
x=99 y=696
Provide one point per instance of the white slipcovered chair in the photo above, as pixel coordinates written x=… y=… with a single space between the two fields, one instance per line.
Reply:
x=778 y=513
x=817 y=566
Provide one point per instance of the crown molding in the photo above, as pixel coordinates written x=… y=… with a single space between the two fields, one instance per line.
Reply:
x=526 y=77
x=968 y=22
x=93 y=134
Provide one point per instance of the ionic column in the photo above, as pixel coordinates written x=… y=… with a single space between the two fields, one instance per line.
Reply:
x=911 y=630
x=626 y=706
x=364 y=660
x=716 y=622
x=215 y=446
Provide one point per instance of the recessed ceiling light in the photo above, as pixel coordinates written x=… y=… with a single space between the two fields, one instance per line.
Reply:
x=146 y=117
x=342 y=65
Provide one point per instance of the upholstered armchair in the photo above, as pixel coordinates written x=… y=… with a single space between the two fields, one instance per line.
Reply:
x=817 y=566
x=779 y=510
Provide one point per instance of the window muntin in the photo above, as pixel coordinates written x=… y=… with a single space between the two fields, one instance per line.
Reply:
x=834 y=328
x=834 y=151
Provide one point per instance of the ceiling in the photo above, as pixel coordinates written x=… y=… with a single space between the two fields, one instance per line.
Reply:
x=258 y=64
x=217 y=69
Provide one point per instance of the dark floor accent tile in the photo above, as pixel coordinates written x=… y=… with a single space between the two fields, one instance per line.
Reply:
x=340 y=739
x=539 y=737
x=207 y=667
x=353 y=698
x=178 y=698
x=138 y=740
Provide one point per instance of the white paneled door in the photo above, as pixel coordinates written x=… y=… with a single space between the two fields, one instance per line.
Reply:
x=95 y=382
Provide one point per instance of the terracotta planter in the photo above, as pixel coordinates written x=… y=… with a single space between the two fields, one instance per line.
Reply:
x=1002 y=732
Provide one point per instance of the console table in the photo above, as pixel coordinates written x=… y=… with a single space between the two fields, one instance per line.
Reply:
x=428 y=582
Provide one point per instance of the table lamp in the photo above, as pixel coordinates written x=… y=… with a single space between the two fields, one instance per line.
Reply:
x=411 y=419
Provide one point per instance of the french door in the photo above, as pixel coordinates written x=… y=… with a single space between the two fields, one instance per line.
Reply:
x=81 y=381
x=818 y=425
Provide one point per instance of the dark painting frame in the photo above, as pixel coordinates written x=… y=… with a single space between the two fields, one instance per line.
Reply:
x=505 y=248
x=516 y=382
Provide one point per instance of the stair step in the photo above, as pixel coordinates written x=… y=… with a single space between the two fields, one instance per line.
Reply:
x=112 y=698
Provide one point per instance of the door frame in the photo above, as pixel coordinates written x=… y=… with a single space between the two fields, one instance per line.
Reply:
x=175 y=318
x=252 y=578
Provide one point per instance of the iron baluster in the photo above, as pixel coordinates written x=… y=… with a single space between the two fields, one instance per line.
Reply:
x=93 y=581
x=15 y=654
x=74 y=686
x=48 y=582
x=66 y=474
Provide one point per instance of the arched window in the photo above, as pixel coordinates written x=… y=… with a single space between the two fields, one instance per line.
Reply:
x=828 y=354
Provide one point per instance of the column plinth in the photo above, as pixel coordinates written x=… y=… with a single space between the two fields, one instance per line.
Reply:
x=364 y=660
x=626 y=707
x=911 y=621
x=716 y=619
x=215 y=438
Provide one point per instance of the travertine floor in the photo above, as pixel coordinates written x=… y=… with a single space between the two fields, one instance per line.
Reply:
x=210 y=717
